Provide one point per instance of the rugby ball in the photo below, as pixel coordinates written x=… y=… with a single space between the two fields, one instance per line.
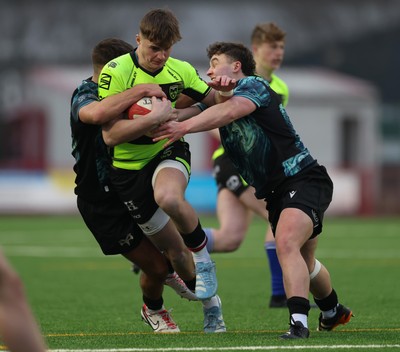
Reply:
x=140 y=108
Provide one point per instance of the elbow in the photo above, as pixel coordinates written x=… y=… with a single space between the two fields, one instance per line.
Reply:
x=92 y=118
x=230 y=117
x=93 y=114
x=99 y=116
x=109 y=140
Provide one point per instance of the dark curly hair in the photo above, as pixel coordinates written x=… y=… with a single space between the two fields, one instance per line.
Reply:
x=235 y=51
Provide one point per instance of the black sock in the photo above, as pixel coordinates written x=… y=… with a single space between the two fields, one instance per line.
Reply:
x=153 y=304
x=191 y=285
x=327 y=303
x=298 y=305
x=196 y=240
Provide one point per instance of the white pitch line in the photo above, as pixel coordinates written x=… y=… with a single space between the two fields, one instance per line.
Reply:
x=233 y=348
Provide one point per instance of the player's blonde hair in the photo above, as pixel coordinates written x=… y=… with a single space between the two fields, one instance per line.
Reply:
x=267 y=32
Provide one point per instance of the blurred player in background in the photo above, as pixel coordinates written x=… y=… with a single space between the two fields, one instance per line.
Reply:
x=236 y=202
x=18 y=328
x=104 y=214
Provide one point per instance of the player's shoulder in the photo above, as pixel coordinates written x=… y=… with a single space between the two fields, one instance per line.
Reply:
x=87 y=87
x=278 y=81
x=253 y=81
x=117 y=70
x=179 y=65
x=83 y=95
x=87 y=84
x=254 y=88
x=280 y=87
x=119 y=63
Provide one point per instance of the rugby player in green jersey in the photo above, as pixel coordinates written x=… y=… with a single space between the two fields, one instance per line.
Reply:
x=262 y=143
x=236 y=202
x=151 y=180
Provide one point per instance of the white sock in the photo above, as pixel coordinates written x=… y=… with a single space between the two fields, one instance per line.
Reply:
x=201 y=256
x=301 y=318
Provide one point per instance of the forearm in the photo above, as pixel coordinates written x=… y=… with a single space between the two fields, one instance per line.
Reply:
x=187 y=113
x=210 y=119
x=124 y=130
x=213 y=117
x=116 y=104
x=100 y=112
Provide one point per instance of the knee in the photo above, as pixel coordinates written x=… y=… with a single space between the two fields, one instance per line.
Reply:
x=284 y=247
x=233 y=244
x=168 y=201
x=161 y=270
x=158 y=271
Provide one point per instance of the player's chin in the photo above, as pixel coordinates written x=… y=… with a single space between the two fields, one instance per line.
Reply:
x=158 y=65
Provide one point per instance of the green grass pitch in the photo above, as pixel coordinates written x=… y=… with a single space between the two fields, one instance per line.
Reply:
x=86 y=301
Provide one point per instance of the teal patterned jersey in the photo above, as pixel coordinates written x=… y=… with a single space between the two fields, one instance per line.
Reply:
x=92 y=161
x=264 y=145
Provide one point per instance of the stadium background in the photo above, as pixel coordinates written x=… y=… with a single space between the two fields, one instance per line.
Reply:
x=341 y=66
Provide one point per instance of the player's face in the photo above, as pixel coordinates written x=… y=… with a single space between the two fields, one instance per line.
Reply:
x=269 y=55
x=151 y=56
x=221 y=65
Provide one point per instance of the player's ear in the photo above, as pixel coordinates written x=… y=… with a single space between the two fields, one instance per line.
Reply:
x=237 y=65
x=137 y=39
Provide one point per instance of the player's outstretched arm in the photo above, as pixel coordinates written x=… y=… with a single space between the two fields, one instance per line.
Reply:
x=213 y=117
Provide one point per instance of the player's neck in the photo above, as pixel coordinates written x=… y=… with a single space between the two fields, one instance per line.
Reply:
x=141 y=61
x=95 y=78
x=264 y=72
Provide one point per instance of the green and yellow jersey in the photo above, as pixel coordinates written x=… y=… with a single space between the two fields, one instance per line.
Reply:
x=278 y=86
x=174 y=78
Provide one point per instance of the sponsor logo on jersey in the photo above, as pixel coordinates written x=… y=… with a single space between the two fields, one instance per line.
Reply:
x=173 y=92
x=105 y=81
